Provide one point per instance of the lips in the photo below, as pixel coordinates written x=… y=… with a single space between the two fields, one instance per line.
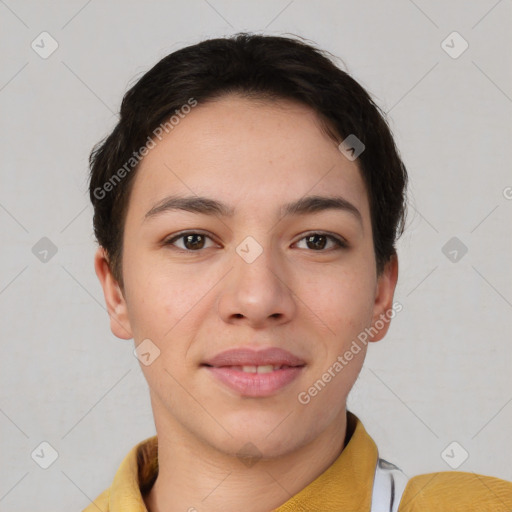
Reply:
x=255 y=374
x=243 y=357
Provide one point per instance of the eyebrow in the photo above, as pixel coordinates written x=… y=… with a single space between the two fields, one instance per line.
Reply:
x=207 y=206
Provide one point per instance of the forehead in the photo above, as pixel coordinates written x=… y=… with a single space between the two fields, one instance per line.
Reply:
x=247 y=152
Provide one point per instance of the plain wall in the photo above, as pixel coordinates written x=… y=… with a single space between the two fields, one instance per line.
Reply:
x=442 y=374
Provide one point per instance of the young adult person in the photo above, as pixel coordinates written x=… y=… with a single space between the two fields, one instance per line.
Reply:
x=246 y=207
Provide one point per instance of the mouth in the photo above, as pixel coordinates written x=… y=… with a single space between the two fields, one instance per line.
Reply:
x=265 y=368
x=249 y=358
x=255 y=374
x=255 y=381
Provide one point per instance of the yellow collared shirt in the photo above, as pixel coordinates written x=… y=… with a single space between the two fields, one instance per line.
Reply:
x=346 y=485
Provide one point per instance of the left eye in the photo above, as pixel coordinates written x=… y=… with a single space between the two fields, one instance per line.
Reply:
x=318 y=241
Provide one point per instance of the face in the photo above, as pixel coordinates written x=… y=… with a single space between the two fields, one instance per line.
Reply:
x=249 y=274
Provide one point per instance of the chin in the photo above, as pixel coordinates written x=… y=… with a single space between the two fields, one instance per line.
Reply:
x=274 y=434
x=251 y=447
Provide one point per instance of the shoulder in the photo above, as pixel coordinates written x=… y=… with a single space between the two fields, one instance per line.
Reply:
x=100 y=504
x=135 y=476
x=455 y=491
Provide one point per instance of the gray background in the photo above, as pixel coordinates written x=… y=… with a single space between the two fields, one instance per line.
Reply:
x=442 y=374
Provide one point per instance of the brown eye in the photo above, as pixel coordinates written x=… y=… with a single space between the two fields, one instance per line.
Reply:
x=318 y=241
x=191 y=242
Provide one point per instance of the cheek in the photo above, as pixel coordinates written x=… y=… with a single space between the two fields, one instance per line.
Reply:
x=162 y=299
x=342 y=299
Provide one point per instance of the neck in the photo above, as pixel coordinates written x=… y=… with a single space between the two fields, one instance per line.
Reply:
x=194 y=476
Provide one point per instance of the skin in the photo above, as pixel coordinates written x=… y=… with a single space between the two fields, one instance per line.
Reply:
x=254 y=156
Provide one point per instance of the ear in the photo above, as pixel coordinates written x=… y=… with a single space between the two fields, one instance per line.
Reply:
x=383 y=305
x=114 y=299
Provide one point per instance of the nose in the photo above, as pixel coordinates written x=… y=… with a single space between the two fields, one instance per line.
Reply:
x=257 y=292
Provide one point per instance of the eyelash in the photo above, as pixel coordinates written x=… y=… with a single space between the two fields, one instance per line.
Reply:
x=339 y=242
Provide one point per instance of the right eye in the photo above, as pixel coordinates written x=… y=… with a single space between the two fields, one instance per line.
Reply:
x=192 y=241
